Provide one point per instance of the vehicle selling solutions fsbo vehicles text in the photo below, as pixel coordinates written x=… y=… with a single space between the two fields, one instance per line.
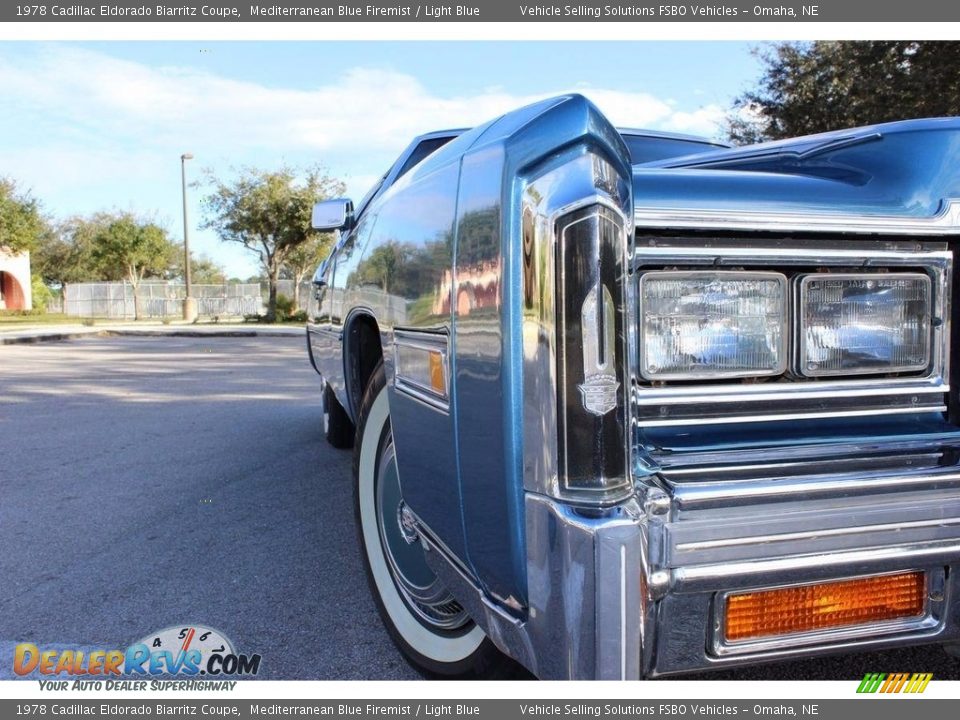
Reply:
x=672 y=11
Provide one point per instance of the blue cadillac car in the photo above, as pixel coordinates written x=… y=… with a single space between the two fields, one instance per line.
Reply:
x=627 y=404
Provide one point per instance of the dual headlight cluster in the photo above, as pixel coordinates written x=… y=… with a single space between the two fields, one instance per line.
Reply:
x=703 y=325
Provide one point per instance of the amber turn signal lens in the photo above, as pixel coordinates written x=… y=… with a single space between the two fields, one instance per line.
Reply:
x=437 y=381
x=806 y=608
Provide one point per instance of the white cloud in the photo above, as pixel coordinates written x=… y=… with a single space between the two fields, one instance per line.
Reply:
x=86 y=130
x=107 y=98
x=706 y=121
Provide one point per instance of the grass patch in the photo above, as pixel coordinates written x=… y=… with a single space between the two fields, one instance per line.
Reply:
x=13 y=319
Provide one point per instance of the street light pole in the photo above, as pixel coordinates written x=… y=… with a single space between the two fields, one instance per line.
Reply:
x=189 y=304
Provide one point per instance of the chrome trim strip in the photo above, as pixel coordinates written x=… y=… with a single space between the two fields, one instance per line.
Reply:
x=695 y=396
x=623 y=612
x=699 y=494
x=584 y=202
x=910 y=255
x=414 y=392
x=507 y=632
x=846 y=449
x=925 y=622
x=709 y=575
x=931 y=619
x=325 y=331
x=862 y=465
x=945 y=222
x=813 y=534
x=790 y=416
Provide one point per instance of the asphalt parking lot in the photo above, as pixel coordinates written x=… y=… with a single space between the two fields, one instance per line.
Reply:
x=153 y=482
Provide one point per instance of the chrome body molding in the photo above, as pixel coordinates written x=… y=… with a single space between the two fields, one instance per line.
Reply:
x=588 y=616
x=669 y=404
x=812 y=535
x=769 y=416
x=945 y=222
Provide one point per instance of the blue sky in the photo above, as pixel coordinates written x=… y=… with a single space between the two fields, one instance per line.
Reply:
x=91 y=126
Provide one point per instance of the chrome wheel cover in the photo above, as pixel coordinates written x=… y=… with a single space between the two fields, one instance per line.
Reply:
x=421 y=590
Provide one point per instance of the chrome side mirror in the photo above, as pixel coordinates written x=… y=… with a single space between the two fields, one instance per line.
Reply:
x=332 y=215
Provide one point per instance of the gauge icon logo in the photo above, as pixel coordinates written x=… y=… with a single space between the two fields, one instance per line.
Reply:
x=188 y=650
x=180 y=638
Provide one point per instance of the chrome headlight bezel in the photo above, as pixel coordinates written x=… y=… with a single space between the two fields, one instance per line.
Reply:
x=793 y=396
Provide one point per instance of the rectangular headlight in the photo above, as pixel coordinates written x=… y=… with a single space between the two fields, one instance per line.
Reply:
x=704 y=324
x=860 y=324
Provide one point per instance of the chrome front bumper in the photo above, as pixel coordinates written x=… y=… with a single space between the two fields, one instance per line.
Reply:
x=803 y=520
x=636 y=592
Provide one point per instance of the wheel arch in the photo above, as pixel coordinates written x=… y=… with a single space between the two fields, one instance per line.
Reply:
x=362 y=350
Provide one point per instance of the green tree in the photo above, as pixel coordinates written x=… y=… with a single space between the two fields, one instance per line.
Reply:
x=268 y=212
x=130 y=248
x=22 y=224
x=203 y=270
x=66 y=255
x=303 y=260
x=814 y=87
x=40 y=293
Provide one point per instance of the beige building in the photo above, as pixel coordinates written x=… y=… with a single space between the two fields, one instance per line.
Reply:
x=15 y=281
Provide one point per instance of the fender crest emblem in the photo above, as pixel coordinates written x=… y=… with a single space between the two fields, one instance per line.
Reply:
x=600 y=386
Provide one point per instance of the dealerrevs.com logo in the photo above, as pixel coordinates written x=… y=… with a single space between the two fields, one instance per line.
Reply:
x=189 y=650
x=895 y=682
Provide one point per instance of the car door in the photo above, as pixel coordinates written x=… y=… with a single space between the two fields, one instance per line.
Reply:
x=342 y=299
x=321 y=338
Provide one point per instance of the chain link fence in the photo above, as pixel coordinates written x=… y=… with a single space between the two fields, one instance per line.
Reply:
x=304 y=294
x=160 y=300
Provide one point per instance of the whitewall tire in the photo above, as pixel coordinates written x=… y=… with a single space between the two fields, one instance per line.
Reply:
x=425 y=622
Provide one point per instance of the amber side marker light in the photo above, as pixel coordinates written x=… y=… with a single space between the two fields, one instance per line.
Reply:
x=808 y=608
x=437 y=381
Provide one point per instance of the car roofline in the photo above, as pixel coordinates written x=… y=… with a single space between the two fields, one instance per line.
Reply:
x=664 y=135
x=633 y=132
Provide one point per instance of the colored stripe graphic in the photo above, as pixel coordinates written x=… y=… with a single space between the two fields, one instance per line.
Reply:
x=913 y=683
x=871 y=682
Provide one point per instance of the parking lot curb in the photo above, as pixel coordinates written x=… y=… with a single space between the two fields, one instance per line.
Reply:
x=46 y=337
x=41 y=336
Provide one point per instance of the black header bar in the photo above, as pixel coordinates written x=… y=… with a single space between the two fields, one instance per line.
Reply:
x=222 y=11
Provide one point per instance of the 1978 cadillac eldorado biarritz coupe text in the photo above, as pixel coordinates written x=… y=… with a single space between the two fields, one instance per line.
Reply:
x=627 y=404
